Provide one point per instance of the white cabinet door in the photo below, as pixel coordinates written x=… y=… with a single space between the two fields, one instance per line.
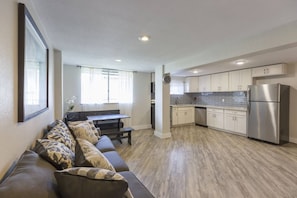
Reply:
x=174 y=115
x=229 y=122
x=204 y=83
x=240 y=125
x=182 y=115
x=235 y=121
x=220 y=82
x=210 y=118
x=239 y=80
x=185 y=115
x=215 y=118
x=271 y=70
x=190 y=117
x=191 y=84
x=220 y=120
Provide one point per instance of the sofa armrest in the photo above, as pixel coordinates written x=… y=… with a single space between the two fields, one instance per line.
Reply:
x=32 y=177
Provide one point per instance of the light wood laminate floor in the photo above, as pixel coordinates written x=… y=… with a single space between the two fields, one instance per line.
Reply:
x=200 y=162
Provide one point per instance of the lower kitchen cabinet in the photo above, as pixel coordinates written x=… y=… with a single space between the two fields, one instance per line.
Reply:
x=215 y=118
x=182 y=115
x=235 y=121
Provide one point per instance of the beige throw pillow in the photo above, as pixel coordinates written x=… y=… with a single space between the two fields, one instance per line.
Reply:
x=91 y=123
x=86 y=154
x=91 y=182
x=85 y=131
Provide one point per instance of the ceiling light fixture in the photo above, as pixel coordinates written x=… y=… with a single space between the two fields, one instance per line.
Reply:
x=144 y=38
x=240 y=62
x=195 y=72
x=118 y=60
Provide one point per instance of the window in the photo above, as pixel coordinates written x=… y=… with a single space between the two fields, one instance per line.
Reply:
x=106 y=86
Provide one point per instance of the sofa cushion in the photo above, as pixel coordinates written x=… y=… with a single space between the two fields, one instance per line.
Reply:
x=117 y=162
x=90 y=182
x=61 y=133
x=96 y=131
x=136 y=187
x=85 y=130
x=55 y=152
x=32 y=177
x=104 y=144
x=87 y=154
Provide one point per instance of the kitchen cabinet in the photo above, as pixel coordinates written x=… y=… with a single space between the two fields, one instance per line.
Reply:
x=182 y=115
x=240 y=79
x=270 y=70
x=235 y=121
x=215 y=118
x=191 y=84
x=220 y=82
x=174 y=115
x=177 y=86
x=204 y=83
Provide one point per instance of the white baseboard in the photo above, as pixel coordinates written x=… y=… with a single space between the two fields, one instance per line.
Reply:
x=293 y=140
x=139 y=127
x=162 y=135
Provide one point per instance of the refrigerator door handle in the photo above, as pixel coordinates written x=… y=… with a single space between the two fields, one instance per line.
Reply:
x=248 y=99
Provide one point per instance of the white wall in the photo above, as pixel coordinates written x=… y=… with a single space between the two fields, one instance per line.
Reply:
x=140 y=117
x=291 y=80
x=16 y=137
x=142 y=100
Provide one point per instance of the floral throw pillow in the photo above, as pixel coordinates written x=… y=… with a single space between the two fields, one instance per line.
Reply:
x=85 y=131
x=62 y=134
x=96 y=131
x=55 y=152
x=91 y=182
x=86 y=154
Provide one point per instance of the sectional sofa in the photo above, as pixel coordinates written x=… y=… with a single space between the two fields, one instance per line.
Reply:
x=36 y=176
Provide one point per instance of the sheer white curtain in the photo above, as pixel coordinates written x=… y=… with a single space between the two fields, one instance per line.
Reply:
x=126 y=95
x=103 y=87
x=125 y=87
x=93 y=86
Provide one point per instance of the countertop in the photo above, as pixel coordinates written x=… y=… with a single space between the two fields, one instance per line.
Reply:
x=211 y=106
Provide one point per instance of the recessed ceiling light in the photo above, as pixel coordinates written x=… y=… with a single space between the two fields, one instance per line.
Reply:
x=118 y=60
x=195 y=72
x=144 y=38
x=240 y=62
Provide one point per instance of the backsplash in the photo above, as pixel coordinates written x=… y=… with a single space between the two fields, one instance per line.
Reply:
x=237 y=99
x=181 y=99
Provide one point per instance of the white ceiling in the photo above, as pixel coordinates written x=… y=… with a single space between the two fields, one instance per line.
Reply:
x=96 y=32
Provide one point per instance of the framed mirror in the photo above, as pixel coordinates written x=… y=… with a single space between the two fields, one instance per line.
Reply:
x=32 y=67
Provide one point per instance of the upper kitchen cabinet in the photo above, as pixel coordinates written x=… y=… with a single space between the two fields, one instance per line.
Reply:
x=270 y=70
x=191 y=85
x=220 y=82
x=204 y=83
x=240 y=79
x=177 y=85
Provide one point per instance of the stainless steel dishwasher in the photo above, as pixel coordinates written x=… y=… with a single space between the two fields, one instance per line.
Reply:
x=200 y=116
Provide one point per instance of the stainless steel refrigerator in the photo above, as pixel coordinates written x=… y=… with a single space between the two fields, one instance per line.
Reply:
x=268 y=112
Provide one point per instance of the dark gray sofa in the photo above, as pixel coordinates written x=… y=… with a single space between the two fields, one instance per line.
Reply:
x=33 y=177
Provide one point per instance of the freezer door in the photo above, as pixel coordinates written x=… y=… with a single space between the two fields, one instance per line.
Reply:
x=265 y=92
x=263 y=121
